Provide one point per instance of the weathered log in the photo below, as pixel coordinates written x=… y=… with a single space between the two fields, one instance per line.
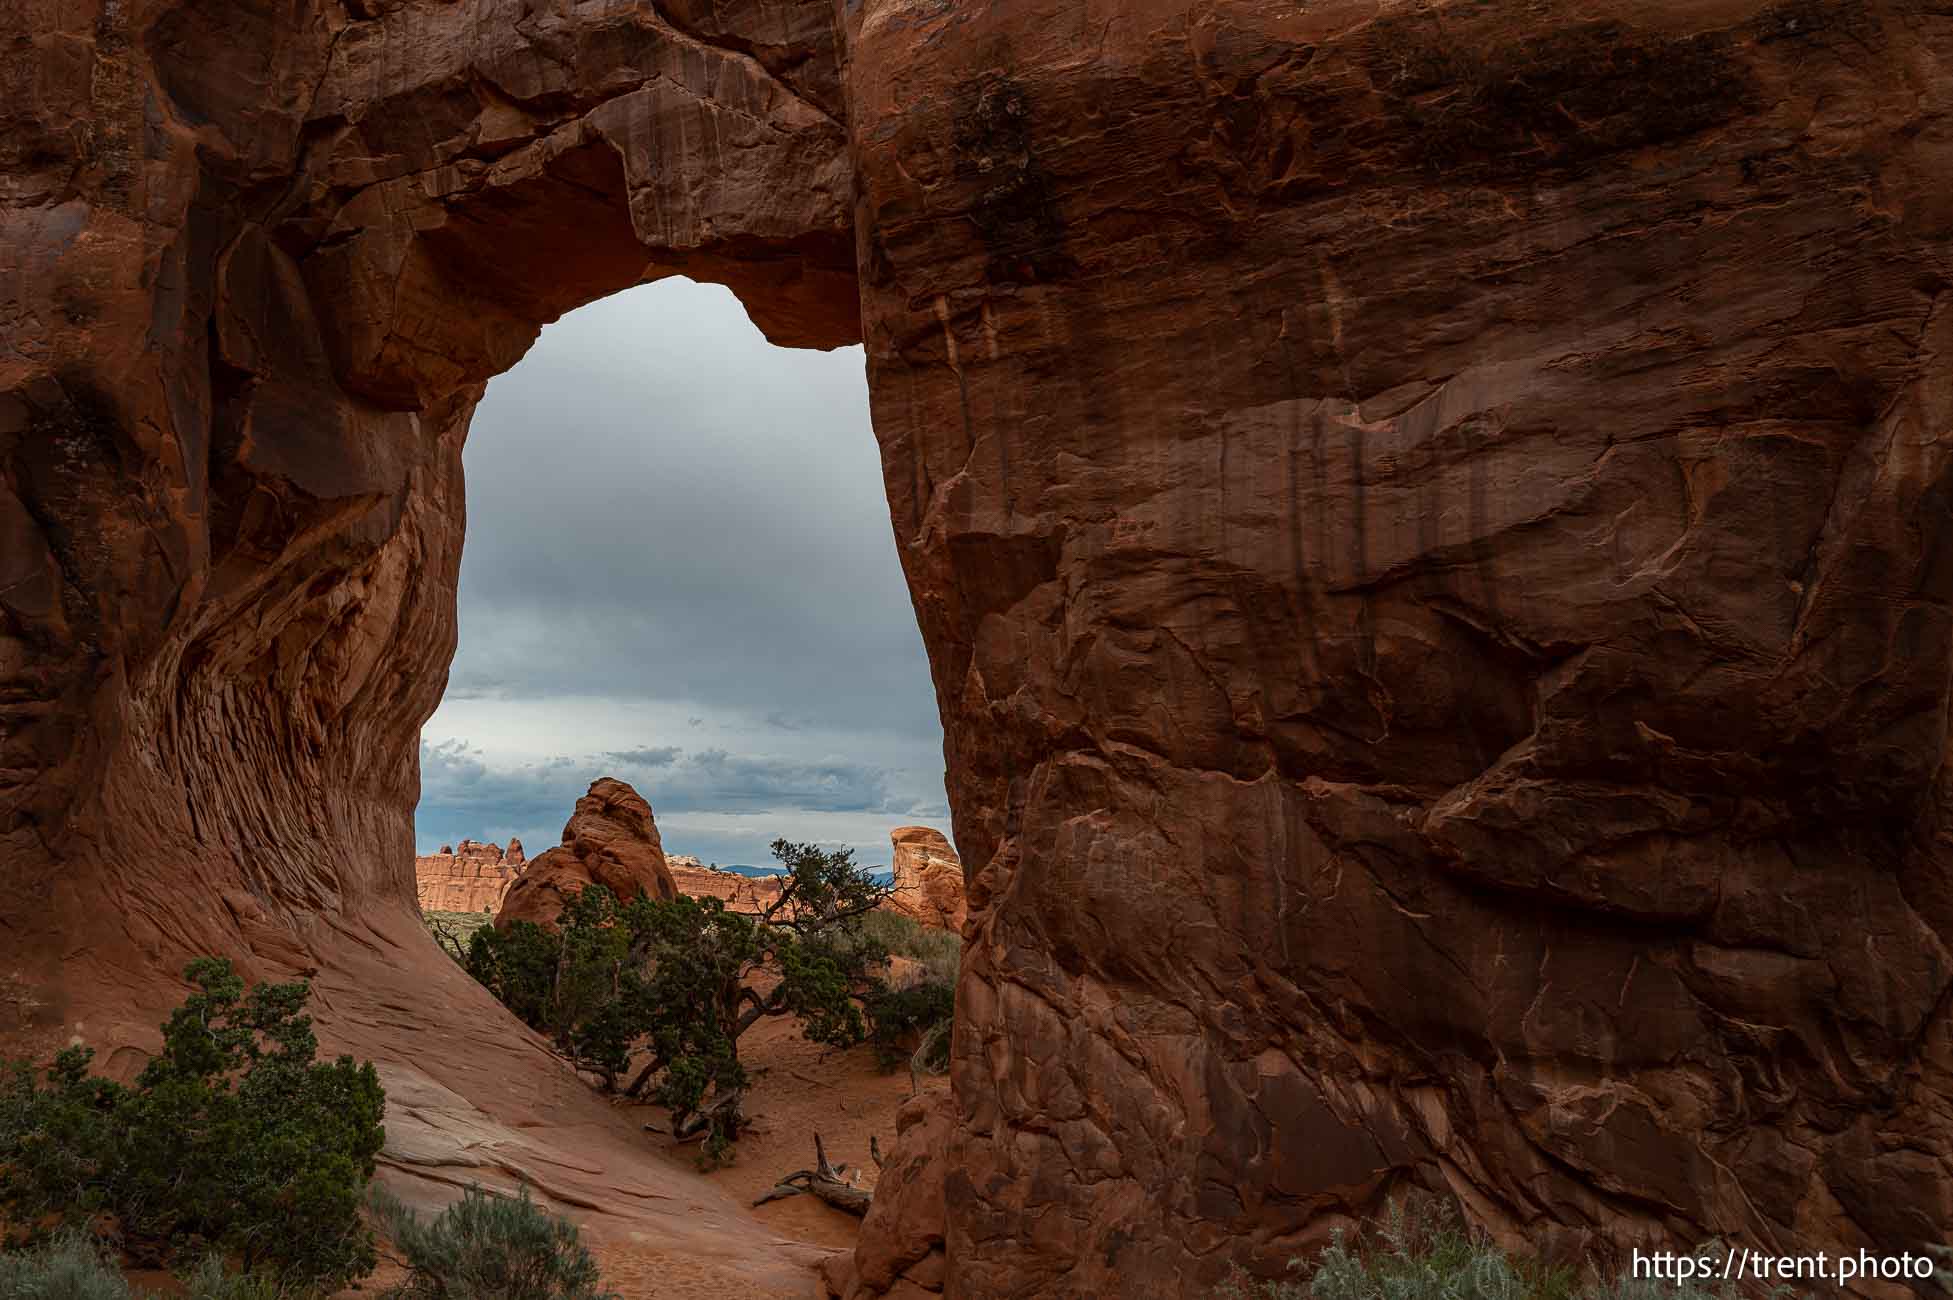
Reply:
x=825 y=1181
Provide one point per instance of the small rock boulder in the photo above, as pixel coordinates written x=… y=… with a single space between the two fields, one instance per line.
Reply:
x=900 y=1250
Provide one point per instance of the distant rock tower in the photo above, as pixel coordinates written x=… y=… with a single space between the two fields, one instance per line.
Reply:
x=928 y=878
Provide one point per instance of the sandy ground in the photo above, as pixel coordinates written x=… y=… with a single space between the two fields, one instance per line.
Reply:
x=799 y=1089
x=502 y=1109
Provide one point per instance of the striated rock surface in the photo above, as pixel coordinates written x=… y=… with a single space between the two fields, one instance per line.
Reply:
x=1430 y=524
x=610 y=840
x=928 y=878
x=259 y=262
x=469 y=877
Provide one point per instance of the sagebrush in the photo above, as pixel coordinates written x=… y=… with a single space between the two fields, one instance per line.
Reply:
x=487 y=1247
x=1425 y=1252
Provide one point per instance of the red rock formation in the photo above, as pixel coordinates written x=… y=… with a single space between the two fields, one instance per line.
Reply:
x=901 y=1248
x=1429 y=524
x=610 y=840
x=470 y=878
x=750 y=894
x=928 y=878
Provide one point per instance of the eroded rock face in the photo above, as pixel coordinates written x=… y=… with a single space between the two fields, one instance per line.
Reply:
x=928 y=878
x=1429 y=522
x=259 y=262
x=1430 y=529
x=901 y=1247
x=739 y=893
x=610 y=840
x=469 y=877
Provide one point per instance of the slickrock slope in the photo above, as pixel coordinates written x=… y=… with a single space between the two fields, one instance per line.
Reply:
x=1430 y=523
x=610 y=840
x=928 y=878
x=469 y=877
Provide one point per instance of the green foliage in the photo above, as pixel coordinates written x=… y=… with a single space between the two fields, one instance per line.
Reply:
x=211 y=1280
x=1429 y=1255
x=912 y=1018
x=454 y=930
x=71 y=1265
x=233 y=1138
x=518 y=965
x=486 y=1247
x=939 y=952
x=680 y=980
x=68 y=1266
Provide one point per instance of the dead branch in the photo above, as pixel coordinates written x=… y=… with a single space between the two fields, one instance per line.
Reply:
x=448 y=936
x=700 y=1122
x=917 y=1061
x=825 y=1181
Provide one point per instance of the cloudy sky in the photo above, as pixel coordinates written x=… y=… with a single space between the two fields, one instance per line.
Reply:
x=679 y=571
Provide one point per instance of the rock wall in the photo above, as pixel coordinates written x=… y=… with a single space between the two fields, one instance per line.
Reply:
x=739 y=893
x=1430 y=524
x=259 y=261
x=470 y=877
x=928 y=878
x=1431 y=527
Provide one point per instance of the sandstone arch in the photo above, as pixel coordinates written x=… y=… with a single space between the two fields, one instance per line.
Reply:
x=1429 y=523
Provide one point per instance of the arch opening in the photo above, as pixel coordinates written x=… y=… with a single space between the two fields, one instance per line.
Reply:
x=679 y=572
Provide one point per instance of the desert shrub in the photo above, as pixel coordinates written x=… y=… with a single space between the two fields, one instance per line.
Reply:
x=212 y=1280
x=912 y=1020
x=453 y=930
x=1427 y=1254
x=940 y=952
x=233 y=1138
x=486 y=1247
x=70 y=1265
x=678 y=981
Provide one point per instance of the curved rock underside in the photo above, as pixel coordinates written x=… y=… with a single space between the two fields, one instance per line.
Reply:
x=1430 y=524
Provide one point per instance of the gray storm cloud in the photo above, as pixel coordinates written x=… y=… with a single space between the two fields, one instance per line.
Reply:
x=675 y=527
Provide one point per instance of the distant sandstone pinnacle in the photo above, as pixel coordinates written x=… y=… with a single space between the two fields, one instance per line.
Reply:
x=611 y=840
x=928 y=878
